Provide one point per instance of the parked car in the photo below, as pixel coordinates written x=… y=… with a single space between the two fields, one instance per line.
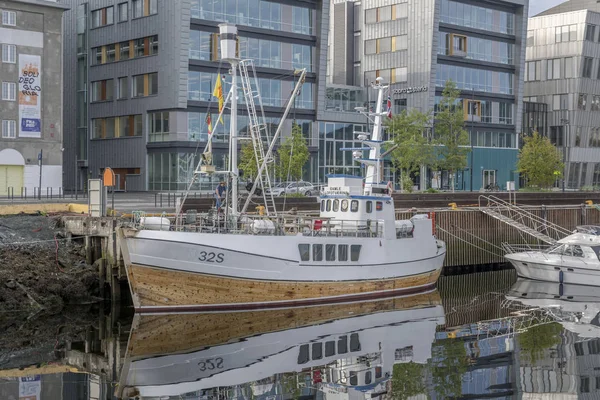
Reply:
x=305 y=188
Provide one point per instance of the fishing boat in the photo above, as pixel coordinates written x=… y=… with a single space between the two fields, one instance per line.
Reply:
x=573 y=259
x=575 y=307
x=354 y=249
x=353 y=346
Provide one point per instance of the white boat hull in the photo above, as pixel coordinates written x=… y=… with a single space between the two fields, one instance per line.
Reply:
x=539 y=266
x=199 y=270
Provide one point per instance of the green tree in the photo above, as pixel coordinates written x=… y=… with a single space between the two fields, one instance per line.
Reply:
x=411 y=147
x=539 y=161
x=247 y=160
x=408 y=380
x=293 y=155
x=449 y=362
x=535 y=340
x=451 y=136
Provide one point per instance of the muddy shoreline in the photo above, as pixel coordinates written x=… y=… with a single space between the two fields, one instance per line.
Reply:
x=48 y=294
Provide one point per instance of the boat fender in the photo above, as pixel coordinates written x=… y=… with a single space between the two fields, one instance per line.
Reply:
x=561 y=276
x=155 y=223
x=561 y=288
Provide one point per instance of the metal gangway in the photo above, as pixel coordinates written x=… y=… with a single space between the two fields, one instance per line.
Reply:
x=523 y=220
x=258 y=133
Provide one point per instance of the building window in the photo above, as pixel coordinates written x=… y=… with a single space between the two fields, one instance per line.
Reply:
x=587 y=67
x=144 y=8
x=9 y=90
x=122 y=88
x=457 y=45
x=153 y=45
x=533 y=71
x=472 y=110
x=140 y=48
x=124 y=51
x=386 y=13
x=159 y=126
x=595 y=103
x=111 y=55
x=145 y=85
x=472 y=16
x=9 y=53
x=553 y=69
x=590 y=32
x=570 y=67
x=582 y=102
x=122 y=9
x=116 y=127
x=566 y=33
x=9 y=18
x=9 y=129
x=103 y=17
x=102 y=90
x=560 y=102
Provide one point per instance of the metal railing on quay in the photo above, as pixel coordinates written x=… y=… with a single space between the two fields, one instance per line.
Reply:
x=20 y=194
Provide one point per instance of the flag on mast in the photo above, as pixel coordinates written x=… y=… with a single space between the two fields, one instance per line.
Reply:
x=209 y=123
x=218 y=93
x=389 y=107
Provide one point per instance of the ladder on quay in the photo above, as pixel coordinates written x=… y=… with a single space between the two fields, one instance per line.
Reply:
x=258 y=133
x=523 y=220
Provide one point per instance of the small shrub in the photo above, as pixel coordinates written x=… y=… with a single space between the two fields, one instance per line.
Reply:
x=432 y=190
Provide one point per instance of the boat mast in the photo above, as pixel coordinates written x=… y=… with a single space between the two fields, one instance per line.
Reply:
x=374 y=161
x=228 y=34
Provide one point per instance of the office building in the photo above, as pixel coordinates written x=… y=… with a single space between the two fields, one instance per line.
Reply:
x=418 y=45
x=563 y=71
x=143 y=73
x=31 y=97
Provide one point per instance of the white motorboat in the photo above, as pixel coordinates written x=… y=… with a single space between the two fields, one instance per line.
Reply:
x=353 y=346
x=355 y=249
x=574 y=259
x=575 y=307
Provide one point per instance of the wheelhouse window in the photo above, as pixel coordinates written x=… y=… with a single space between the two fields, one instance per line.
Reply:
x=336 y=205
x=368 y=377
x=354 y=206
x=328 y=205
x=317 y=252
x=342 y=345
x=355 y=252
x=353 y=378
x=343 y=252
x=354 y=342
x=317 y=351
x=369 y=207
x=330 y=252
x=304 y=252
x=303 y=355
x=329 y=349
x=344 y=205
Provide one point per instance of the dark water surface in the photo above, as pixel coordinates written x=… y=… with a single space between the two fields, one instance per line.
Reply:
x=479 y=335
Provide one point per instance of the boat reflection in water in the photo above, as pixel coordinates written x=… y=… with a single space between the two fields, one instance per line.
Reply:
x=575 y=307
x=346 y=347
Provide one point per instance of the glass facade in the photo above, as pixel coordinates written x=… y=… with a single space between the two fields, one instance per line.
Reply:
x=475 y=79
x=472 y=16
x=332 y=160
x=273 y=92
x=491 y=112
x=503 y=140
x=257 y=13
x=480 y=49
x=344 y=99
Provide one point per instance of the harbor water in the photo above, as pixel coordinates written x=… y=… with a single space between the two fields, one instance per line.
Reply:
x=478 y=335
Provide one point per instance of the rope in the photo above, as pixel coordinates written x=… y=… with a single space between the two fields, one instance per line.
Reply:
x=41 y=241
x=463 y=240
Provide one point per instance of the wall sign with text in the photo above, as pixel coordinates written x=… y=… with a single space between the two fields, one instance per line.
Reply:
x=30 y=96
x=410 y=90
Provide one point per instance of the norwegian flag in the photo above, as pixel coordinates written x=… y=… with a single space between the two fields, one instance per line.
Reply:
x=389 y=107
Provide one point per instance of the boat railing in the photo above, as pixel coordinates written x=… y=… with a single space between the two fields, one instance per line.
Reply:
x=305 y=225
x=523 y=248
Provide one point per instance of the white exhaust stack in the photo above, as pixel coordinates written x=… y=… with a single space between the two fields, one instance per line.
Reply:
x=228 y=34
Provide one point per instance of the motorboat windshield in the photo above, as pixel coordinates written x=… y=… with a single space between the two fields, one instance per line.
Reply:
x=589 y=229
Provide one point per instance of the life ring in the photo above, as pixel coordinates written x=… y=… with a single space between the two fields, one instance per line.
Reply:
x=390 y=187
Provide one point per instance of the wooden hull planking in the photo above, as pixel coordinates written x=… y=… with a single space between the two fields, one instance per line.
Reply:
x=159 y=290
